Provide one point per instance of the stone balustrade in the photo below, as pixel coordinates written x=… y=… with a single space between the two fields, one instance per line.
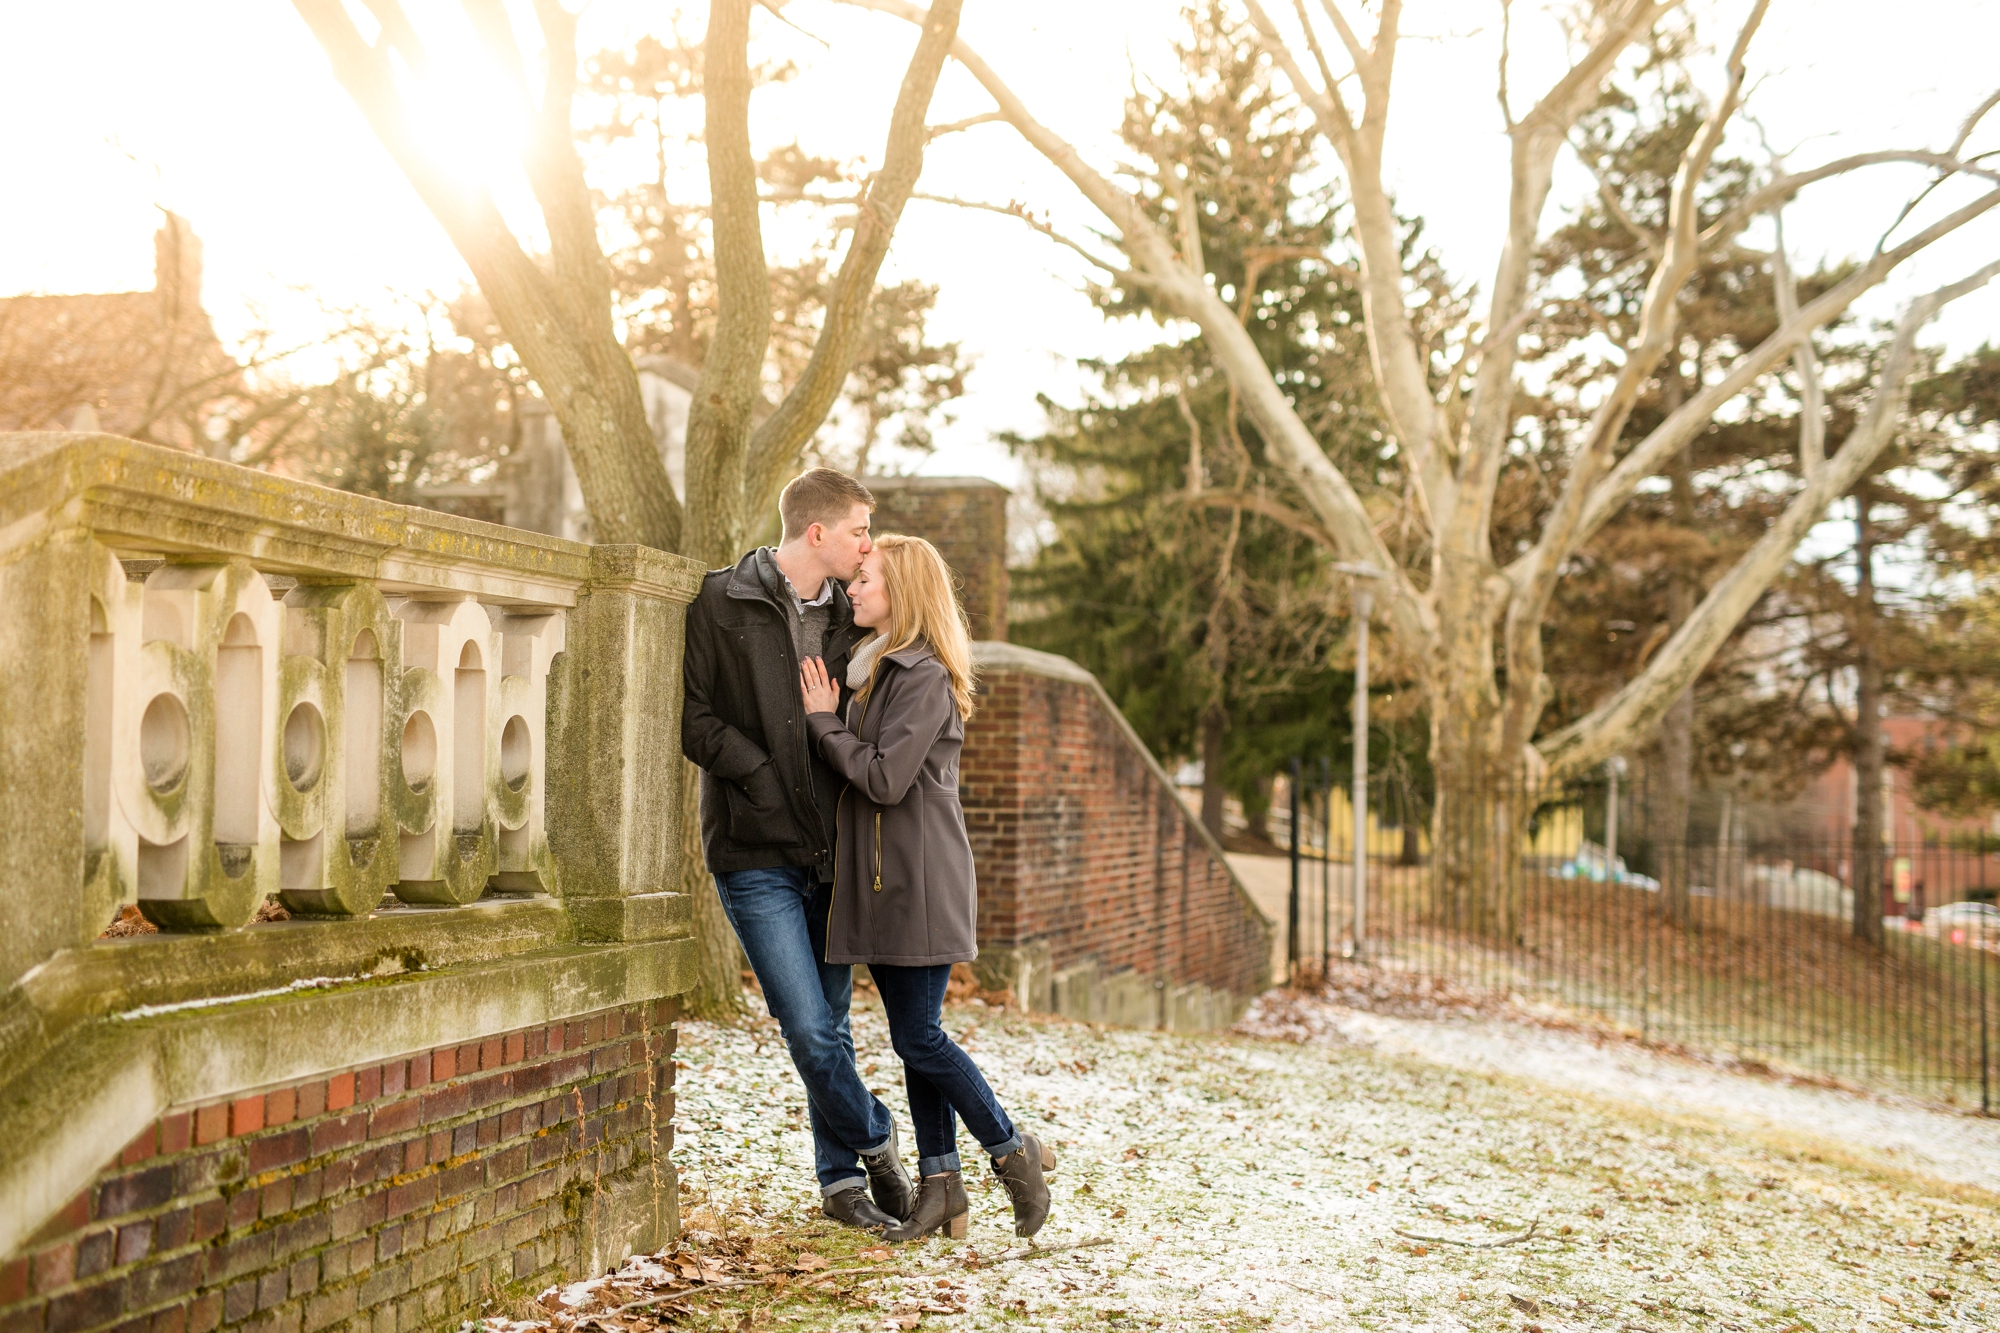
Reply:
x=327 y=743
x=449 y=749
x=249 y=687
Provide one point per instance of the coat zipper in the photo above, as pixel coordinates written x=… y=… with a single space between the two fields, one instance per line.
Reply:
x=878 y=851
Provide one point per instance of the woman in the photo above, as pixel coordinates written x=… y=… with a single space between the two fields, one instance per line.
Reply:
x=904 y=898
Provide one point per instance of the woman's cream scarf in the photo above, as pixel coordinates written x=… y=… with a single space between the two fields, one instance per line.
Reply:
x=863 y=660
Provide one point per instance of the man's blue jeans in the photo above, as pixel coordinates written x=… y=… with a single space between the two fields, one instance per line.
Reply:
x=780 y=915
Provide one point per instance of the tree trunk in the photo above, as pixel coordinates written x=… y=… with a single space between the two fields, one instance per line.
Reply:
x=1214 y=727
x=1670 y=831
x=1480 y=823
x=1677 y=729
x=1257 y=819
x=1868 y=748
x=718 y=984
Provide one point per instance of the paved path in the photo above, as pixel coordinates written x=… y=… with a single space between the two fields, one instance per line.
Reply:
x=1269 y=882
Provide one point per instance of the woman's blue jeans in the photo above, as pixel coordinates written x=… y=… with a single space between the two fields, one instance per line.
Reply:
x=940 y=1077
x=780 y=915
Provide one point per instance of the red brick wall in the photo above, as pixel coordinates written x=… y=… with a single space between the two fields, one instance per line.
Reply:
x=1081 y=845
x=382 y=1199
x=966 y=519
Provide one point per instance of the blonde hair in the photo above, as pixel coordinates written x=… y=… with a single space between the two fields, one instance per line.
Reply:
x=924 y=608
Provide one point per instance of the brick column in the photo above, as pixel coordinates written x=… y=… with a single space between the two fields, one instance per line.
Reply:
x=966 y=519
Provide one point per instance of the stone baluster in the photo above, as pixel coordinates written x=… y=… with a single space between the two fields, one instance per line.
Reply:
x=195 y=777
x=530 y=643
x=338 y=795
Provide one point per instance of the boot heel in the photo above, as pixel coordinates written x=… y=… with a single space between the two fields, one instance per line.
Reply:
x=1048 y=1159
x=955 y=1227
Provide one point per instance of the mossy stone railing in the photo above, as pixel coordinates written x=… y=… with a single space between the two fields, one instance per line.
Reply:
x=440 y=744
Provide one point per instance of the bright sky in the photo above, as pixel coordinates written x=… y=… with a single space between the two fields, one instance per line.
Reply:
x=226 y=112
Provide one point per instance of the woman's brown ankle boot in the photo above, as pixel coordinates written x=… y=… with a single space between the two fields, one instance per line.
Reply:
x=941 y=1206
x=1021 y=1171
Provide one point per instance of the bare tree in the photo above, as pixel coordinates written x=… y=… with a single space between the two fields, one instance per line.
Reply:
x=1470 y=616
x=557 y=309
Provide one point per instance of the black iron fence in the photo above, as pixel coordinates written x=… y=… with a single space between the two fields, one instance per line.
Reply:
x=1738 y=938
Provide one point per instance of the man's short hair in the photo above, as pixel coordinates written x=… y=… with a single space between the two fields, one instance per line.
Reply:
x=819 y=495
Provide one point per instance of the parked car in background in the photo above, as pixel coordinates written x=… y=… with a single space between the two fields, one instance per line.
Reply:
x=1964 y=923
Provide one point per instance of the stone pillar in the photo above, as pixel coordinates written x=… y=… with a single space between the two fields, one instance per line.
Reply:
x=966 y=519
x=614 y=815
x=65 y=596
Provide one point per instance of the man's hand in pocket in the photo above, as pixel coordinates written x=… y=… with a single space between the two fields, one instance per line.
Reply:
x=764 y=789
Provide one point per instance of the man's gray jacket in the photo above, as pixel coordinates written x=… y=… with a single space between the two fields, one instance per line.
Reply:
x=767 y=797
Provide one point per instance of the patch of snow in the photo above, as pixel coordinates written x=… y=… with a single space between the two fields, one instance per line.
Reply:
x=1371 y=1175
x=209 y=1002
x=1903 y=1133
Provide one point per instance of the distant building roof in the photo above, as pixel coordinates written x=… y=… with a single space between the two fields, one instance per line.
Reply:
x=144 y=364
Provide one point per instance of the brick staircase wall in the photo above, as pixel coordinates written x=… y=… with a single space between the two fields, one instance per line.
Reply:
x=1100 y=895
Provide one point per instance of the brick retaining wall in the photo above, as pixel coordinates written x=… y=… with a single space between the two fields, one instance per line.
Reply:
x=1099 y=894
x=386 y=1198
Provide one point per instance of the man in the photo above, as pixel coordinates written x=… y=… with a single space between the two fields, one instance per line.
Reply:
x=768 y=803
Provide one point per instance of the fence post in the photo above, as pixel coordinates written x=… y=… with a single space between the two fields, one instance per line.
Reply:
x=1362 y=601
x=1292 y=900
x=1985 y=1050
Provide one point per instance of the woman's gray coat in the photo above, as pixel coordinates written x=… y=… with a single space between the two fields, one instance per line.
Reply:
x=904 y=893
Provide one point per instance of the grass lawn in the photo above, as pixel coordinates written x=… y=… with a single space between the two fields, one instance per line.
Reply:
x=1235 y=1182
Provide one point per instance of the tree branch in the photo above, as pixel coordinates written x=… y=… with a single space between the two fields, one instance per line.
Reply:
x=1325 y=490
x=1616 y=207
x=1188 y=225
x=1348 y=38
x=1020 y=212
x=1266 y=506
x=1651 y=453
x=983 y=118
x=1393 y=346
x=1971 y=123
x=1534 y=582
x=783 y=433
x=565 y=344
x=1812 y=398
x=719 y=417
x=1536 y=141
x=496 y=33
x=1639 y=706
x=1781 y=190
x=555 y=172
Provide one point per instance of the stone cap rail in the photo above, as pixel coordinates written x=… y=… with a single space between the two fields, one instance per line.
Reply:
x=139 y=498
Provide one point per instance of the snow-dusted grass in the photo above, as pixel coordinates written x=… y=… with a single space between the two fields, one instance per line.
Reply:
x=1239 y=1182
